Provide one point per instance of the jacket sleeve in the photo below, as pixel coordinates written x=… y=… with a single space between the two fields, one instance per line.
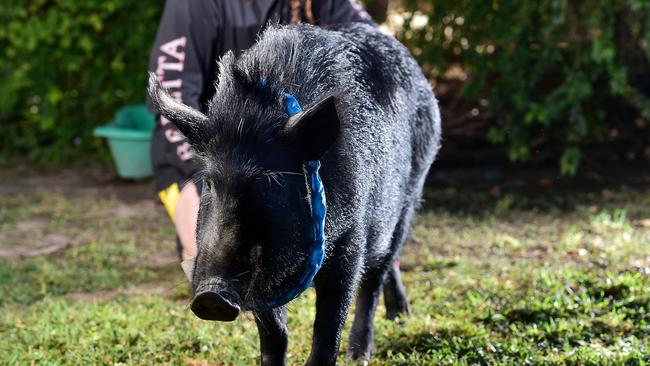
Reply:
x=348 y=11
x=181 y=57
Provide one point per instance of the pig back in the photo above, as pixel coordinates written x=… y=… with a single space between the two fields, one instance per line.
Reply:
x=390 y=128
x=389 y=120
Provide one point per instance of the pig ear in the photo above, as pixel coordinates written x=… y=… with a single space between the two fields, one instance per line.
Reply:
x=315 y=130
x=188 y=120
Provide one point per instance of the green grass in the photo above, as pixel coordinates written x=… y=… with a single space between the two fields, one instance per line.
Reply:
x=553 y=279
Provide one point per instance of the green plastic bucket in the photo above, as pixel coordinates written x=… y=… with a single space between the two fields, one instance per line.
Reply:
x=129 y=139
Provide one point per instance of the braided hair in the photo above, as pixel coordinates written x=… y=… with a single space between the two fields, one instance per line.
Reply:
x=296 y=6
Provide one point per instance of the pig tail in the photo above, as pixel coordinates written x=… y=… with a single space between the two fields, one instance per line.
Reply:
x=296 y=5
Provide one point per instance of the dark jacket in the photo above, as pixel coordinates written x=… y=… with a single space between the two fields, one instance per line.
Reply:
x=192 y=36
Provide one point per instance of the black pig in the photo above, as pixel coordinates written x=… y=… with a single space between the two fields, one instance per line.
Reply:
x=370 y=119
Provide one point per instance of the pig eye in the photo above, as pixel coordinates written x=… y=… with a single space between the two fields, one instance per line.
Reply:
x=204 y=186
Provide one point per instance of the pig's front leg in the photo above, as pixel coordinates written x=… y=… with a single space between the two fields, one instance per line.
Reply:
x=272 y=328
x=334 y=292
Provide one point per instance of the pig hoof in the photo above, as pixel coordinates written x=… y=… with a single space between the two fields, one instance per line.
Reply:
x=361 y=356
x=397 y=312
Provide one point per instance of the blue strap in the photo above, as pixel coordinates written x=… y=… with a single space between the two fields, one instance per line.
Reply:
x=291 y=104
x=318 y=214
x=317 y=253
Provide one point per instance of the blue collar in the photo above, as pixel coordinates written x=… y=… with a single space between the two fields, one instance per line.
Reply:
x=317 y=253
x=318 y=214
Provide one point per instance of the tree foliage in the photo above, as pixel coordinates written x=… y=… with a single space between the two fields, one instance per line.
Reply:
x=559 y=80
x=564 y=80
x=66 y=66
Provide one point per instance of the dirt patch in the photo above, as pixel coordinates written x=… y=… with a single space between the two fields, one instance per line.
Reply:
x=162 y=259
x=105 y=295
x=52 y=243
x=193 y=362
x=23 y=180
x=46 y=214
x=140 y=208
x=33 y=223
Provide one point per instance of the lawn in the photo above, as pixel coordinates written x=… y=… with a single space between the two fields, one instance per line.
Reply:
x=88 y=275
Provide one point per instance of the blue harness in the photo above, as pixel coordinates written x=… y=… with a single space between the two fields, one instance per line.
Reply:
x=318 y=213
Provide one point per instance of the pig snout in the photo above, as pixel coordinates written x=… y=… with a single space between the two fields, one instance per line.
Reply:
x=215 y=302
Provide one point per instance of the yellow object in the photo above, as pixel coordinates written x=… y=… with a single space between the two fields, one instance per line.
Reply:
x=169 y=197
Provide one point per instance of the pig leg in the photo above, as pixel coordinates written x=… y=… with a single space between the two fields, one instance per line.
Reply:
x=272 y=328
x=334 y=291
x=360 y=342
x=394 y=294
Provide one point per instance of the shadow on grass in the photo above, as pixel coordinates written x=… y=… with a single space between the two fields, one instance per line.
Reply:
x=501 y=201
x=573 y=310
x=470 y=344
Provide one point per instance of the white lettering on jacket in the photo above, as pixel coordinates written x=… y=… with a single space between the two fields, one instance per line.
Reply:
x=172 y=48
x=173 y=60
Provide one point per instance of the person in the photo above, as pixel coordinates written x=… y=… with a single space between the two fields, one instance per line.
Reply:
x=191 y=37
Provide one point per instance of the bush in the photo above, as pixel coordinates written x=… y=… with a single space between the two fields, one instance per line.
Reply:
x=552 y=80
x=562 y=80
x=66 y=66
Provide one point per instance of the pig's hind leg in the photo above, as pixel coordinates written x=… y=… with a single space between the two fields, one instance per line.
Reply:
x=395 y=298
x=272 y=328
